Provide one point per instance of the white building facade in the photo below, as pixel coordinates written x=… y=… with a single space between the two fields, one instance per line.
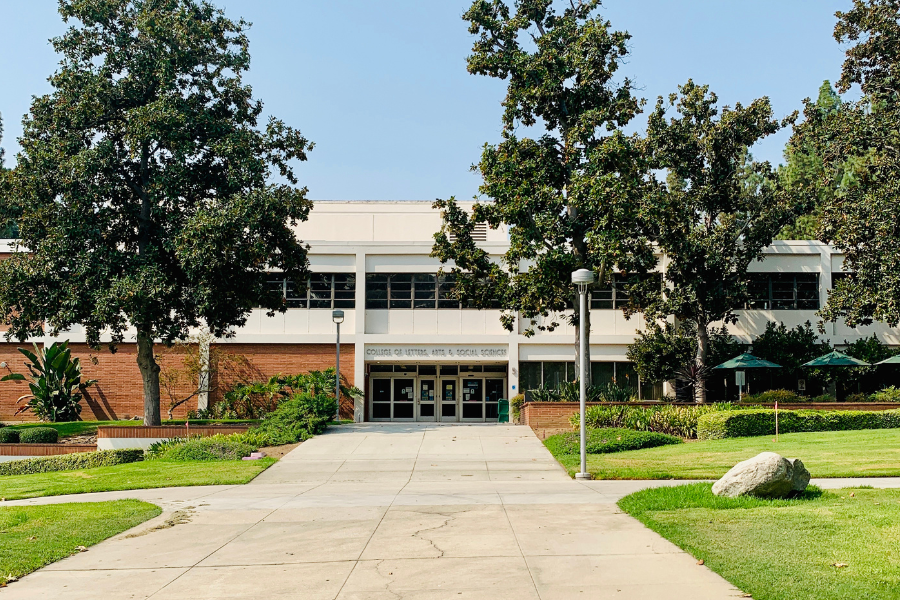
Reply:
x=419 y=355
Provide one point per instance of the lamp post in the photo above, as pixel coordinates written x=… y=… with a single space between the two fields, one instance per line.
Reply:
x=583 y=279
x=338 y=317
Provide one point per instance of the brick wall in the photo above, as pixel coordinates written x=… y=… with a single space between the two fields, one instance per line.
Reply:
x=119 y=392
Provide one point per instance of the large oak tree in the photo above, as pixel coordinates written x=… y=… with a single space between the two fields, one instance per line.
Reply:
x=143 y=189
x=715 y=213
x=571 y=195
x=863 y=220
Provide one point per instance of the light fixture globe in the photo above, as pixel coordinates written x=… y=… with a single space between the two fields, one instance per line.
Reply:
x=337 y=316
x=583 y=278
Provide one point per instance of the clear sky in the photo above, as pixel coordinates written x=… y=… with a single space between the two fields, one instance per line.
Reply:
x=382 y=89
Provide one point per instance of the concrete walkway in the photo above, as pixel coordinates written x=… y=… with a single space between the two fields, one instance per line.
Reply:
x=386 y=512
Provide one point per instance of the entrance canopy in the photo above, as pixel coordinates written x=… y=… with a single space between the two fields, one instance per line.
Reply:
x=747 y=361
x=837 y=359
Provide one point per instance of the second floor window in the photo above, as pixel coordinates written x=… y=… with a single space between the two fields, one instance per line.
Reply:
x=784 y=291
x=323 y=290
x=411 y=291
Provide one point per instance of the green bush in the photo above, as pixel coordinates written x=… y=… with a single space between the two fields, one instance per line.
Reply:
x=747 y=423
x=38 y=435
x=515 y=407
x=858 y=397
x=8 y=435
x=214 y=447
x=602 y=441
x=671 y=419
x=773 y=396
x=70 y=462
x=295 y=420
x=888 y=394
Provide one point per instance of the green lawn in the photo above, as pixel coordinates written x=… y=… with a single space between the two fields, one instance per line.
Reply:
x=868 y=453
x=34 y=536
x=88 y=427
x=133 y=476
x=825 y=546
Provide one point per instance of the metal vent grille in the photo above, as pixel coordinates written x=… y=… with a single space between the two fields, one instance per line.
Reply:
x=479 y=233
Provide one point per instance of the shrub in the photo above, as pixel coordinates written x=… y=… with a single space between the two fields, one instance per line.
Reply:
x=54 y=381
x=757 y=422
x=858 y=397
x=295 y=420
x=602 y=441
x=38 y=435
x=8 y=435
x=515 y=407
x=70 y=462
x=214 y=447
x=888 y=394
x=612 y=392
x=671 y=419
x=823 y=399
x=255 y=400
x=772 y=396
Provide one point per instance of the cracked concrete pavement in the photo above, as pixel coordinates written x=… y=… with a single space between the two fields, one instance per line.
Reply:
x=387 y=511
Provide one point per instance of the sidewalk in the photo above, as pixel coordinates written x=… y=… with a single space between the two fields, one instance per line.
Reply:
x=388 y=511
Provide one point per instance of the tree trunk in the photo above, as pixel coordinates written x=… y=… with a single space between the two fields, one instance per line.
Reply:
x=150 y=375
x=702 y=351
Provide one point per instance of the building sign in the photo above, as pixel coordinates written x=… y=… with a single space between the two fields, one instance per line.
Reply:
x=436 y=353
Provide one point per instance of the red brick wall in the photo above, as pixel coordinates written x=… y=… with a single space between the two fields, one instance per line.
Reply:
x=119 y=392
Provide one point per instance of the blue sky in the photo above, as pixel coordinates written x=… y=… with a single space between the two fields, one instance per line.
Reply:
x=382 y=90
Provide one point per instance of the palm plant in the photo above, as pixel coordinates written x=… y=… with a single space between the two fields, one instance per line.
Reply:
x=55 y=383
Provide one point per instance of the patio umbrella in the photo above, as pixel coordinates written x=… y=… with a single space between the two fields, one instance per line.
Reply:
x=747 y=361
x=837 y=359
x=894 y=360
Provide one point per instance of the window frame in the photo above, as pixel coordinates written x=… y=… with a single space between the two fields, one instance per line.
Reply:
x=306 y=301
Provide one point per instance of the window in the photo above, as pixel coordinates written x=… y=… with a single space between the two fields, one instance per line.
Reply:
x=783 y=291
x=614 y=296
x=322 y=290
x=422 y=291
x=533 y=375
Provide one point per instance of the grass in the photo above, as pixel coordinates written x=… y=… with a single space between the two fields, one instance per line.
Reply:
x=867 y=453
x=90 y=427
x=34 y=536
x=823 y=546
x=608 y=439
x=133 y=476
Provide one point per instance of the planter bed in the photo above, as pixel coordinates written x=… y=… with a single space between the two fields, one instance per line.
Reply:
x=116 y=438
x=19 y=451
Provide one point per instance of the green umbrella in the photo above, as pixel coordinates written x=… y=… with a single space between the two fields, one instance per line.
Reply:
x=747 y=361
x=837 y=359
x=894 y=360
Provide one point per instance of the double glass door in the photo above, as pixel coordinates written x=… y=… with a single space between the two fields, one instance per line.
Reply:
x=438 y=399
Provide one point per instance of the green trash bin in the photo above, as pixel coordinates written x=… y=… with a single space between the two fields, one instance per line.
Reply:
x=503 y=411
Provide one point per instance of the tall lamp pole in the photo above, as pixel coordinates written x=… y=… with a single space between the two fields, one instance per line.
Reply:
x=583 y=279
x=338 y=317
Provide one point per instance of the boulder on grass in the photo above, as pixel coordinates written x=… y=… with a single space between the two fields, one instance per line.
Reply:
x=768 y=475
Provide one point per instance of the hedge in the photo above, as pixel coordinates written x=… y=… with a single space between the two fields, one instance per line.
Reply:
x=747 y=423
x=671 y=419
x=70 y=462
x=8 y=435
x=214 y=447
x=604 y=441
x=38 y=435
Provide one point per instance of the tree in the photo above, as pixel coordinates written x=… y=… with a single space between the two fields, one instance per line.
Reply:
x=791 y=349
x=717 y=211
x=144 y=184
x=862 y=221
x=804 y=165
x=570 y=197
x=8 y=229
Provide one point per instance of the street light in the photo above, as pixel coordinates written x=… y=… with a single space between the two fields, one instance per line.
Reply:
x=583 y=279
x=338 y=317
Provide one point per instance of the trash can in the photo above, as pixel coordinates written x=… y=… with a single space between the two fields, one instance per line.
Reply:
x=503 y=411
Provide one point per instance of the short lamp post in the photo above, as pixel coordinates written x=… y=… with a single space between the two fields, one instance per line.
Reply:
x=338 y=317
x=583 y=279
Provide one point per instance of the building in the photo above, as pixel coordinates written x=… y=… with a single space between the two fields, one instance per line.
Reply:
x=418 y=354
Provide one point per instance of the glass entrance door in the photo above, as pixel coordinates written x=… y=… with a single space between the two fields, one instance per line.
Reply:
x=493 y=391
x=473 y=399
x=427 y=399
x=448 y=400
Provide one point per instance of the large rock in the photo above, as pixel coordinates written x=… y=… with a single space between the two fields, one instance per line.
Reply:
x=768 y=475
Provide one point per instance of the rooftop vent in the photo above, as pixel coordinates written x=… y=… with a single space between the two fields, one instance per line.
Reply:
x=479 y=233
